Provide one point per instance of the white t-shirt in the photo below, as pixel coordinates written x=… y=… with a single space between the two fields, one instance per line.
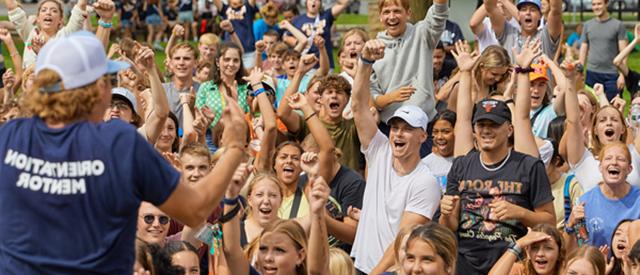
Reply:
x=546 y=152
x=588 y=173
x=347 y=113
x=440 y=167
x=488 y=37
x=386 y=196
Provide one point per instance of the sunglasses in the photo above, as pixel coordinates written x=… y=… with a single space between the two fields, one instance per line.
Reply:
x=121 y=105
x=149 y=219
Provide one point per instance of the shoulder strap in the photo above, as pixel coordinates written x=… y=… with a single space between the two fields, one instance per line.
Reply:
x=535 y=116
x=567 y=198
x=296 y=203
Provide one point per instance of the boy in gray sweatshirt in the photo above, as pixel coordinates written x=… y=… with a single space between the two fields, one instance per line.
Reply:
x=405 y=75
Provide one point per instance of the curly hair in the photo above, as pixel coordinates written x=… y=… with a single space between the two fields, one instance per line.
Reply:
x=336 y=82
x=64 y=106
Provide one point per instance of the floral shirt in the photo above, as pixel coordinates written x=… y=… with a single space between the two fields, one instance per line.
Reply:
x=209 y=95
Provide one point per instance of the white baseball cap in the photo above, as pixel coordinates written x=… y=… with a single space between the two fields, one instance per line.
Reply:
x=127 y=95
x=412 y=115
x=79 y=59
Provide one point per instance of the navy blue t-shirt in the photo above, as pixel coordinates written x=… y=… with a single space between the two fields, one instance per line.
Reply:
x=243 y=27
x=308 y=24
x=69 y=197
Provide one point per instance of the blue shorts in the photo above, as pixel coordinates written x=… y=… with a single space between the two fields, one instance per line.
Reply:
x=125 y=23
x=185 y=16
x=153 y=20
x=607 y=80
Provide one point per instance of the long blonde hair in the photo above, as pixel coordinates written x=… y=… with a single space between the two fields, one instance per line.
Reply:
x=340 y=262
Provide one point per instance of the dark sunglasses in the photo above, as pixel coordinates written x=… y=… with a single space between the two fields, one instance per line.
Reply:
x=149 y=219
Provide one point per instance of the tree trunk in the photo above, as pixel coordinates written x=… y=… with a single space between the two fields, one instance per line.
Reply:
x=419 y=9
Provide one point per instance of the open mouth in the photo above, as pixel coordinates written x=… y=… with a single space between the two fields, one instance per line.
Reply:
x=394 y=24
x=613 y=171
x=533 y=97
x=334 y=106
x=441 y=144
x=353 y=55
x=47 y=20
x=528 y=21
x=609 y=133
x=541 y=263
x=270 y=270
x=265 y=211
x=621 y=247
x=399 y=145
x=288 y=171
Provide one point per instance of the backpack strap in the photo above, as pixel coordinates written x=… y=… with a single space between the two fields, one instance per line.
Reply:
x=537 y=113
x=296 y=203
x=567 y=198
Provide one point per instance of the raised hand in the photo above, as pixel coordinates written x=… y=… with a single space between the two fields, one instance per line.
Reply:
x=5 y=36
x=373 y=50
x=173 y=159
x=238 y=180
x=319 y=195
x=530 y=50
x=618 y=103
x=532 y=237
x=37 y=42
x=354 y=213
x=284 y=24
x=577 y=213
x=226 y=26
x=105 y=9
x=318 y=41
x=113 y=50
x=235 y=127
x=260 y=46
x=307 y=62
x=145 y=57
x=297 y=101
x=9 y=80
x=309 y=163
x=178 y=30
x=464 y=57
x=255 y=77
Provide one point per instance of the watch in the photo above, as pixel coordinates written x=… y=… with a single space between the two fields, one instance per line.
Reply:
x=517 y=250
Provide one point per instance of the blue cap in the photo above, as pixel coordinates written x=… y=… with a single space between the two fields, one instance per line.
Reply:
x=535 y=2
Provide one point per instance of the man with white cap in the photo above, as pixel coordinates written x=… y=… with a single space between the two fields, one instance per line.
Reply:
x=123 y=106
x=71 y=184
x=401 y=192
x=493 y=192
x=529 y=17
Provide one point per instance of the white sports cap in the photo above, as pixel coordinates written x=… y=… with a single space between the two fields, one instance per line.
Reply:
x=412 y=115
x=79 y=59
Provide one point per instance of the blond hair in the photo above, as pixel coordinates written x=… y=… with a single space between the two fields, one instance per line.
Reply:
x=209 y=39
x=354 y=31
x=63 y=106
x=340 y=262
x=590 y=254
x=402 y=3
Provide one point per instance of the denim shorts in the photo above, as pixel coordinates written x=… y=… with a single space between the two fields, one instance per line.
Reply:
x=153 y=20
x=185 y=16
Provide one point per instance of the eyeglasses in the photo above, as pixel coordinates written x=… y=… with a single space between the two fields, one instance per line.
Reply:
x=149 y=219
x=121 y=105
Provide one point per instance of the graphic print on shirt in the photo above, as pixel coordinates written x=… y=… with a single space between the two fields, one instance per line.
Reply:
x=236 y=15
x=308 y=28
x=477 y=219
x=55 y=178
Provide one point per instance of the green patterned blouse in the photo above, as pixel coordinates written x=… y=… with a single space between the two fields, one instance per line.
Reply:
x=209 y=95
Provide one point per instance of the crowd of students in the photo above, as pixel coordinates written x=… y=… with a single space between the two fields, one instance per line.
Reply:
x=250 y=150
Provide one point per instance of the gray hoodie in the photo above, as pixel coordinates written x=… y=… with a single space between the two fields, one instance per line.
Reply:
x=408 y=62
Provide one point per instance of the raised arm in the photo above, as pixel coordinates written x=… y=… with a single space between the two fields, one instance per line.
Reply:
x=260 y=47
x=366 y=124
x=297 y=34
x=318 y=41
x=339 y=7
x=524 y=141
x=16 y=58
x=188 y=118
x=620 y=59
x=285 y=113
x=76 y=20
x=573 y=131
x=554 y=19
x=236 y=260
x=218 y=4
x=176 y=32
x=505 y=263
x=191 y=204
x=105 y=10
x=268 y=142
x=326 y=156
x=154 y=123
x=226 y=26
x=464 y=106
x=436 y=20
x=475 y=23
x=318 y=253
x=559 y=76
x=11 y=4
x=495 y=15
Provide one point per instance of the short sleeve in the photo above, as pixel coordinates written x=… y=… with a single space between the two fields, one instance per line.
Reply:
x=424 y=198
x=540 y=188
x=622 y=33
x=585 y=33
x=454 y=175
x=376 y=146
x=155 y=178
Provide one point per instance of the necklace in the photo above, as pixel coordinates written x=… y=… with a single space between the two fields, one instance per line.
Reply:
x=499 y=166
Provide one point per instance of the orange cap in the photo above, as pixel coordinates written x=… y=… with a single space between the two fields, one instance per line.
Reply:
x=539 y=71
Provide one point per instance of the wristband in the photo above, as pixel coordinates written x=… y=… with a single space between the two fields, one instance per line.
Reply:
x=233 y=201
x=366 y=61
x=105 y=25
x=517 y=250
x=232 y=32
x=258 y=91
x=580 y=68
x=520 y=70
x=569 y=229
x=310 y=116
